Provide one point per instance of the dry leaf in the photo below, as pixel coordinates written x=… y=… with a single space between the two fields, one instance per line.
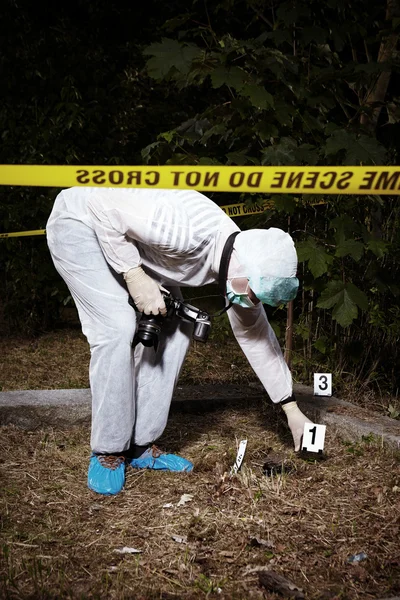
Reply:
x=180 y=539
x=185 y=498
x=127 y=550
x=277 y=583
x=257 y=541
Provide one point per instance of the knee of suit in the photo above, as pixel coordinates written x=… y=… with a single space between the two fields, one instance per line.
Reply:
x=118 y=330
x=124 y=331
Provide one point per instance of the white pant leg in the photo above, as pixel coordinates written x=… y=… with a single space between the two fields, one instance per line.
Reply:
x=109 y=324
x=157 y=376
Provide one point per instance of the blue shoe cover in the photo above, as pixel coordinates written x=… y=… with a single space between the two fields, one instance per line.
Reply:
x=106 y=474
x=153 y=458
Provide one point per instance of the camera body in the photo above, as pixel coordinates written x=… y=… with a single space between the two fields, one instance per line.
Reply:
x=150 y=326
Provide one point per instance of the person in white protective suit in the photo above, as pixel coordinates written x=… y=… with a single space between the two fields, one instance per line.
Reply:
x=107 y=243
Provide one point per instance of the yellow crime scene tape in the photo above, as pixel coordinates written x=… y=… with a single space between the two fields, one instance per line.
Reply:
x=273 y=180
x=23 y=233
x=240 y=209
x=232 y=210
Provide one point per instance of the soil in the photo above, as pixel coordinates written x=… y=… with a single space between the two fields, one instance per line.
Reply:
x=208 y=533
x=284 y=526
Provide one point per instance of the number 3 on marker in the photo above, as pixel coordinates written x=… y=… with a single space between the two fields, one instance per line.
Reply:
x=322 y=384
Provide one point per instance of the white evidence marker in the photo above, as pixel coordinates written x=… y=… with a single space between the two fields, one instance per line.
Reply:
x=239 y=457
x=313 y=437
x=322 y=384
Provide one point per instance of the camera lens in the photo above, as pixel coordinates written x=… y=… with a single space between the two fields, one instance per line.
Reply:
x=148 y=332
x=201 y=331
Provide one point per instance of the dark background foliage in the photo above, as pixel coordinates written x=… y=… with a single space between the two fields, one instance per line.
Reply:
x=233 y=82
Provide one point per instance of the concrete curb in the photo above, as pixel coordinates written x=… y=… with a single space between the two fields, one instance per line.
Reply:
x=34 y=409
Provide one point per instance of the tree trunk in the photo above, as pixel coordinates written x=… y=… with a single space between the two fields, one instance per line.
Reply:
x=377 y=93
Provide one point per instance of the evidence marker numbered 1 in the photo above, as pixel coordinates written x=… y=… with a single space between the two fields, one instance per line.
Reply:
x=313 y=437
x=322 y=384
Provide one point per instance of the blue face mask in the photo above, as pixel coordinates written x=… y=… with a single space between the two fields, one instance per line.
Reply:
x=242 y=299
x=274 y=290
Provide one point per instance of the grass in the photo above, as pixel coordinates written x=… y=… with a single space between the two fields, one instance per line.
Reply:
x=58 y=539
x=56 y=360
x=60 y=360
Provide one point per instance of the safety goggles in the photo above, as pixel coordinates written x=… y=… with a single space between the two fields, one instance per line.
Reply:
x=241 y=287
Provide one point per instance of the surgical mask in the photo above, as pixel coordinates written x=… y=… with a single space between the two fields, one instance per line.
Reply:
x=237 y=292
x=274 y=290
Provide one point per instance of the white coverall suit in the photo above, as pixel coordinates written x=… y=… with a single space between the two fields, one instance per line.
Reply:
x=95 y=235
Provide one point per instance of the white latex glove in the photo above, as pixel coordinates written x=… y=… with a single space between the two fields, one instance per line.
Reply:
x=145 y=292
x=296 y=422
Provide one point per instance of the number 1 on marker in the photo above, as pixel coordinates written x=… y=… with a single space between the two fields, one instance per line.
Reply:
x=313 y=437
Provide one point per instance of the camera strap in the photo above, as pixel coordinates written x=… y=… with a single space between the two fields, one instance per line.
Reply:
x=223 y=268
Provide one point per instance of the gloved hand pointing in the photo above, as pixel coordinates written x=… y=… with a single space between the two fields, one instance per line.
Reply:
x=296 y=422
x=145 y=292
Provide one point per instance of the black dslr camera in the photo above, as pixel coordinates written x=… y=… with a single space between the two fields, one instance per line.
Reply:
x=149 y=327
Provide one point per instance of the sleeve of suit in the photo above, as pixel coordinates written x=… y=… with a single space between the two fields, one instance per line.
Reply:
x=121 y=253
x=261 y=347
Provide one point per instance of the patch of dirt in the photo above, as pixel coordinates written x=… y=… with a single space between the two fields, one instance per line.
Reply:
x=57 y=360
x=60 y=360
x=59 y=539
